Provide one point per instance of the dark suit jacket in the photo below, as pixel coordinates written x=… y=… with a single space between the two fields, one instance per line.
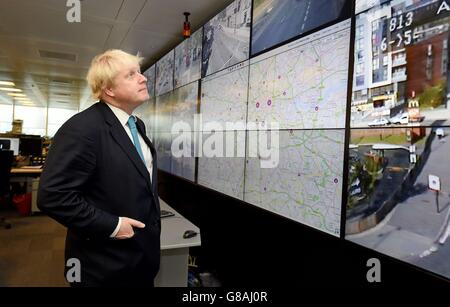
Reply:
x=92 y=175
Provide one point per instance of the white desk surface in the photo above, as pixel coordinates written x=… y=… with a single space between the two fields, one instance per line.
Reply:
x=173 y=228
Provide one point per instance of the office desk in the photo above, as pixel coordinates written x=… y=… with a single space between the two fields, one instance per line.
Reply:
x=29 y=176
x=174 y=249
x=26 y=171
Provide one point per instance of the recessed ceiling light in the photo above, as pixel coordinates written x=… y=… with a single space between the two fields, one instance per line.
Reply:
x=10 y=89
x=61 y=94
x=7 y=83
x=17 y=95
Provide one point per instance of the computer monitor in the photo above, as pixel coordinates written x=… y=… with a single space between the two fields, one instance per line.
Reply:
x=5 y=144
x=30 y=145
x=10 y=144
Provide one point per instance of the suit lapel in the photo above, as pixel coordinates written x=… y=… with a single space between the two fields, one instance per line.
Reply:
x=121 y=138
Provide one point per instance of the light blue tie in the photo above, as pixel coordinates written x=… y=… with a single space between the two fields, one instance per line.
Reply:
x=134 y=135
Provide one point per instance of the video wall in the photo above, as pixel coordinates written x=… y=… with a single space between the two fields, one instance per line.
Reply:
x=267 y=103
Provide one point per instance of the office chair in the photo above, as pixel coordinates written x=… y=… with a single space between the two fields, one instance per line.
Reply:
x=6 y=160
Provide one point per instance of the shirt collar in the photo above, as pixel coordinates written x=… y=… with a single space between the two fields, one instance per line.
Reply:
x=121 y=115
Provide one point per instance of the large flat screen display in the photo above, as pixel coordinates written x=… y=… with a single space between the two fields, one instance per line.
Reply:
x=303 y=85
x=164 y=74
x=398 y=194
x=223 y=98
x=188 y=60
x=226 y=38
x=401 y=64
x=305 y=182
x=276 y=21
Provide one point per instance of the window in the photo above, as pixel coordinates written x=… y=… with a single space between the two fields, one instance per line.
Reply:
x=429 y=68
x=376 y=91
x=359 y=44
x=360 y=95
x=375 y=25
x=56 y=118
x=359 y=80
x=34 y=119
x=360 y=68
x=375 y=64
x=6 y=117
x=360 y=55
x=360 y=29
x=444 y=62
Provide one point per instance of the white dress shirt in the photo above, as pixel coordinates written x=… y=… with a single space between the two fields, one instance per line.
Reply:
x=123 y=116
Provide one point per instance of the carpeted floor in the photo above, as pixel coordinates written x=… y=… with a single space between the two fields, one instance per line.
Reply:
x=32 y=252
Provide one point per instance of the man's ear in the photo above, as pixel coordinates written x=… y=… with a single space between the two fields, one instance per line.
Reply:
x=109 y=92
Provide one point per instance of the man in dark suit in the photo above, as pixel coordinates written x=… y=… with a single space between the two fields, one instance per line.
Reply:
x=100 y=181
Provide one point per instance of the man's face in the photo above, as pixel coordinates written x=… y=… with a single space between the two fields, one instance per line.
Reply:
x=130 y=86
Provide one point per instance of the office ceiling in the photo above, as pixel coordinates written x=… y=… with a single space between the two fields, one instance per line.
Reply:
x=48 y=57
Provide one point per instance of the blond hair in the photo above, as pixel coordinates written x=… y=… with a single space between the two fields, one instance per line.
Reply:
x=105 y=67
